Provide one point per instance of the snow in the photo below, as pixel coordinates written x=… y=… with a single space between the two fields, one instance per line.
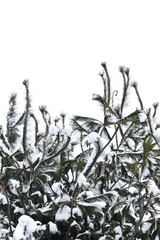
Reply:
x=37 y=193
x=20 y=164
x=84 y=233
x=91 y=225
x=19 y=210
x=74 y=223
x=14 y=184
x=3 y=198
x=70 y=175
x=82 y=180
x=63 y=214
x=25 y=228
x=45 y=209
x=119 y=184
x=57 y=187
x=146 y=171
x=89 y=194
x=52 y=227
x=4 y=148
x=152 y=188
x=25 y=187
x=157 y=209
x=35 y=156
x=132 y=189
x=118 y=230
x=3 y=233
x=54 y=130
x=102 y=238
x=142 y=116
x=110 y=155
x=98 y=205
x=131 y=143
x=64 y=198
x=117 y=237
x=67 y=132
x=92 y=137
x=77 y=211
x=146 y=226
x=19 y=233
x=90 y=160
x=45 y=198
x=85 y=194
x=146 y=216
x=132 y=212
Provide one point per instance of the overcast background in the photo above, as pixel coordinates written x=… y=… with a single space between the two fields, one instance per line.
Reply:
x=59 y=45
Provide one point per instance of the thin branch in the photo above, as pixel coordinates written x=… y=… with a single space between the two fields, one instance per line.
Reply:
x=99 y=153
x=8 y=210
x=140 y=221
x=135 y=85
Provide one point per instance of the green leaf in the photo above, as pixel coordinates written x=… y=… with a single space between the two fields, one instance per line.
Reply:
x=44 y=178
x=117 y=207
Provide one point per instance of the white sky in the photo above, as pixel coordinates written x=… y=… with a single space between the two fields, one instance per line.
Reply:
x=59 y=45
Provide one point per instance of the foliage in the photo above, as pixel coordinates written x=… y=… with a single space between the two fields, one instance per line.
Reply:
x=96 y=179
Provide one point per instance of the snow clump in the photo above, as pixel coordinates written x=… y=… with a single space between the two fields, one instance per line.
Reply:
x=52 y=227
x=57 y=188
x=92 y=137
x=3 y=199
x=102 y=238
x=25 y=228
x=14 y=184
x=63 y=214
x=82 y=180
x=142 y=117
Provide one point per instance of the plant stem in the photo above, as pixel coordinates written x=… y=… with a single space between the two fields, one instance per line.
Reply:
x=8 y=210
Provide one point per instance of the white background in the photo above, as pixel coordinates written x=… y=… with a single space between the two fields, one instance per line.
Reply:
x=59 y=45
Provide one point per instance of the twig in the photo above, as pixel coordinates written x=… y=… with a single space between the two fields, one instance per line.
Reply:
x=8 y=209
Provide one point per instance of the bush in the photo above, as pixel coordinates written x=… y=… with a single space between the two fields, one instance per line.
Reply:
x=95 y=179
